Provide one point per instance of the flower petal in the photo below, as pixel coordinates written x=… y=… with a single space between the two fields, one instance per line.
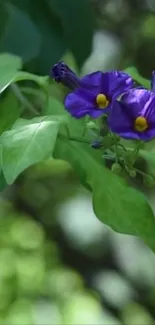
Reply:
x=150 y=134
x=141 y=102
x=111 y=83
x=142 y=136
x=94 y=82
x=149 y=110
x=123 y=114
x=62 y=73
x=132 y=135
x=81 y=102
x=122 y=123
x=118 y=83
x=153 y=81
x=119 y=118
x=137 y=101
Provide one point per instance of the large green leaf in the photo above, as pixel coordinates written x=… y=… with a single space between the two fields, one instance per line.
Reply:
x=52 y=46
x=27 y=143
x=9 y=65
x=11 y=76
x=52 y=49
x=10 y=62
x=21 y=36
x=3 y=183
x=75 y=127
x=78 y=24
x=55 y=106
x=9 y=111
x=40 y=80
x=149 y=158
x=112 y=198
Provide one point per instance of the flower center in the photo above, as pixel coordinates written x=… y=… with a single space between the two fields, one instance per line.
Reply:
x=141 y=124
x=102 y=101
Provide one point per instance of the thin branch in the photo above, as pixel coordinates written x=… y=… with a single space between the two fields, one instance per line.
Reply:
x=24 y=101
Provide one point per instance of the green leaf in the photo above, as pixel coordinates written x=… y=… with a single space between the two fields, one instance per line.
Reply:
x=112 y=198
x=3 y=183
x=9 y=111
x=9 y=65
x=133 y=72
x=12 y=76
x=10 y=62
x=55 y=106
x=22 y=75
x=52 y=45
x=21 y=36
x=150 y=160
x=52 y=49
x=78 y=25
x=27 y=144
x=75 y=127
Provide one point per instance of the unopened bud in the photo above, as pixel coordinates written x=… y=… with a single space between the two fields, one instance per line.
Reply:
x=96 y=144
x=116 y=168
x=91 y=125
x=132 y=173
x=62 y=73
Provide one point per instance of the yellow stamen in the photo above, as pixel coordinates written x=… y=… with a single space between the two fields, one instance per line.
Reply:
x=141 y=124
x=102 y=101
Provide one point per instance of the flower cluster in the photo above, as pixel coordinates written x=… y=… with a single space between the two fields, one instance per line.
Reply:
x=130 y=111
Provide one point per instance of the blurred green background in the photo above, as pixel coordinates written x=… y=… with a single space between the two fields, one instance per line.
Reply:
x=58 y=263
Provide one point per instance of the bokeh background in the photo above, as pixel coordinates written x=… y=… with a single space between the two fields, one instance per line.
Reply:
x=58 y=263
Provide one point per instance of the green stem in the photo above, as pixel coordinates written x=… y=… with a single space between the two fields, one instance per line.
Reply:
x=67 y=131
x=136 y=151
x=79 y=140
x=121 y=145
x=116 y=153
x=32 y=91
x=142 y=173
x=73 y=138
x=23 y=100
x=47 y=95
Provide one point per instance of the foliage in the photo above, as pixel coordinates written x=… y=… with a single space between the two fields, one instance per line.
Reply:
x=63 y=257
x=45 y=28
x=26 y=140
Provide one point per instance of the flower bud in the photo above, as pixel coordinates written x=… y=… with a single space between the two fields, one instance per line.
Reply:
x=61 y=73
x=116 y=168
x=132 y=173
x=96 y=144
x=91 y=125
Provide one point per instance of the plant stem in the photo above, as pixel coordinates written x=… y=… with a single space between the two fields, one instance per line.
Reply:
x=32 y=91
x=142 y=173
x=24 y=101
x=136 y=151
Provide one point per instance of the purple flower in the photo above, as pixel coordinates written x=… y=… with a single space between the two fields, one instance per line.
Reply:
x=96 y=92
x=153 y=81
x=133 y=117
x=61 y=73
